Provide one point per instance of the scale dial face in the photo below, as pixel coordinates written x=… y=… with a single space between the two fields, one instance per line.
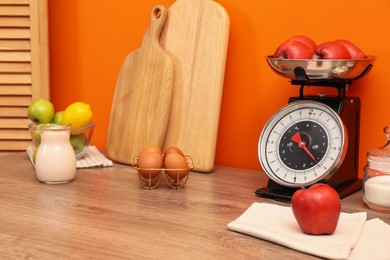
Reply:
x=302 y=143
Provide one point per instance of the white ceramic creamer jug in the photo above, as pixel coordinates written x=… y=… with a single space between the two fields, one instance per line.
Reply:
x=55 y=161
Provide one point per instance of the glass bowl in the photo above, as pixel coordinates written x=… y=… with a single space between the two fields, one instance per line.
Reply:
x=80 y=138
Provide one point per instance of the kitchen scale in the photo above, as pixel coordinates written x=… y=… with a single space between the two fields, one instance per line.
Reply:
x=313 y=139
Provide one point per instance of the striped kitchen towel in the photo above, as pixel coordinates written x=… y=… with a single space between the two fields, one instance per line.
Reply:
x=93 y=158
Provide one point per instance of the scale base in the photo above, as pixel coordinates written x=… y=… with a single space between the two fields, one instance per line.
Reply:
x=284 y=194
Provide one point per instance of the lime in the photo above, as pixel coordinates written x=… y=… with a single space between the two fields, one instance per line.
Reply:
x=41 y=111
x=78 y=142
x=58 y=117
x=77 y=114
x=35 y=153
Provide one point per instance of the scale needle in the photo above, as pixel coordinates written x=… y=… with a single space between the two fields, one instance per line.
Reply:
x=302 y=144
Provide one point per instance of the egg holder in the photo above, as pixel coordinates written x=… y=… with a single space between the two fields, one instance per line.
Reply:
x=153 y=179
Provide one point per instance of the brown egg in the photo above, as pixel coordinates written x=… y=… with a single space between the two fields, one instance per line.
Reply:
x=150 y=164
x=175 y=164
x=173 y=149
x=150 y=148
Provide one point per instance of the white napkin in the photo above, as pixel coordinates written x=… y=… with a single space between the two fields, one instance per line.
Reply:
x=374 y=242
x=93 y=158
x=277 y=224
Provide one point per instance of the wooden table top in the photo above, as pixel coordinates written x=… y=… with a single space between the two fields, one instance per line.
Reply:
x=105 y=214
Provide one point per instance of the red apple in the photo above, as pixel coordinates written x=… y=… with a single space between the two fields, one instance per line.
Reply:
x=296 y=47
x=331 y=50
x=304 y=39
x=355 y=51
x=293 y=50
x=317 y=209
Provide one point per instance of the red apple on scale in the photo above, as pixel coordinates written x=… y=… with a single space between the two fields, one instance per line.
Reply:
x=296 y=47
x=316 y=209
x=331 y=50
x=355 y=51
x=304 y=39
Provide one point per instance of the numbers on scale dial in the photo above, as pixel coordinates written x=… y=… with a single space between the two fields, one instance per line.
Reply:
x=303 y=145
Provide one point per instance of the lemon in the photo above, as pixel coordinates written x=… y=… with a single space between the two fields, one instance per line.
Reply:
x=77 y=114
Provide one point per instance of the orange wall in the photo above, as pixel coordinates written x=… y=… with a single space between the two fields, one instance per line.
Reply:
x=89 y=40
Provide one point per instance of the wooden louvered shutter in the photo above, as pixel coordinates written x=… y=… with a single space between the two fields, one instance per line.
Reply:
x=24 y=68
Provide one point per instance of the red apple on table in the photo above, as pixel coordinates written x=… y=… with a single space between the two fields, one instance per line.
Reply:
x=331 y=50
x=296 y=47
x=316 y=209
x=355 y=51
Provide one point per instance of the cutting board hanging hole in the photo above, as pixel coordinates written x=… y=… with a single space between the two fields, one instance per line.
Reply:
x=157 y=13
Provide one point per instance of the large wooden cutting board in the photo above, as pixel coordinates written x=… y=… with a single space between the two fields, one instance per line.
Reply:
x=196 y=36
x=142 y=98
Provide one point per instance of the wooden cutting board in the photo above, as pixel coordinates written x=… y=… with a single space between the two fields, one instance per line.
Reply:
x=196 y=36
x=142 y=98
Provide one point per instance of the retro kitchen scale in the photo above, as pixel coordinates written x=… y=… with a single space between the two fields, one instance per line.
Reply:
x=313 y=139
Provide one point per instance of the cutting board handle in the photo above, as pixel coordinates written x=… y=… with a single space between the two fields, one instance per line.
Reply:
x=157 y=22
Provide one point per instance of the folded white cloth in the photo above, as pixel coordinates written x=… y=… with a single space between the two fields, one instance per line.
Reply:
x=277 y=224
x=93 y=158
x=374 y=242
